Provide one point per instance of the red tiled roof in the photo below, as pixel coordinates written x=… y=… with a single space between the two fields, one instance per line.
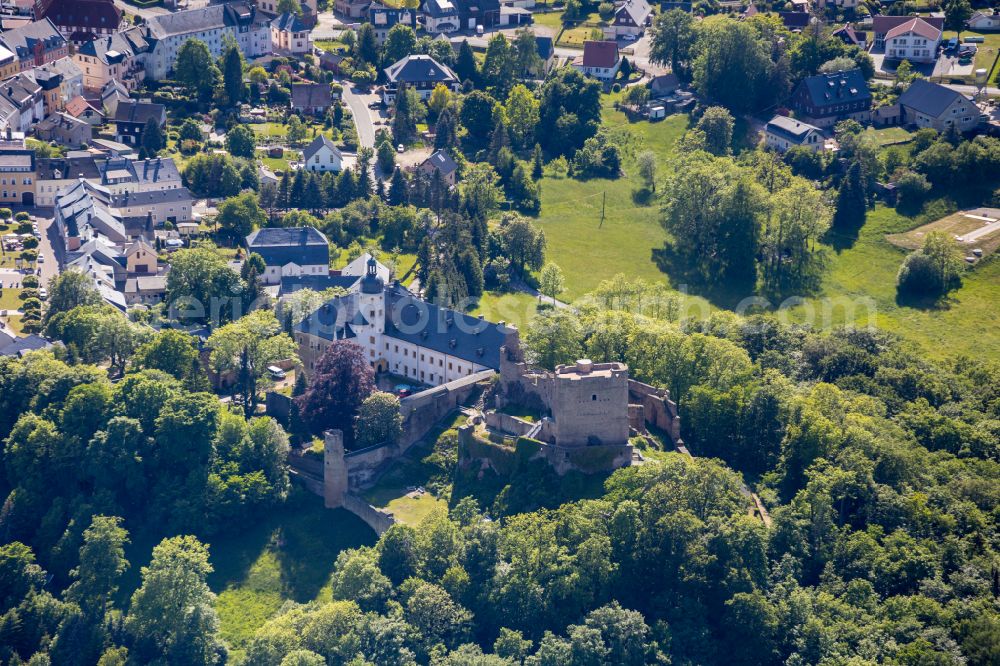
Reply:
x=600 y=54
x=883 y=24
x=77 y=106
x=918 y=26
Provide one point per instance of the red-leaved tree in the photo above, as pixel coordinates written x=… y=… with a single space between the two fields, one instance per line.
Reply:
x=339 y=384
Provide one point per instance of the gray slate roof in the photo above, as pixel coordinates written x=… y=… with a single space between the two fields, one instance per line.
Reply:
x=419 y=69
x=791 y=129
x=442 y=161
x=928 y=98
x=200 y=20
x=837 y=88
x=175 y=195
x=280 y=246
x=443 y=330
x=317 y=143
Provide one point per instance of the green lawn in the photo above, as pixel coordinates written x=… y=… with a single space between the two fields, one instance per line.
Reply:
x=277 y=163
x=9 y=299
x=575 y=37
x=549 y=19
x=968 y=323
x=888 y=136
x=287 y=554
x=589 y=250
x=514 y=308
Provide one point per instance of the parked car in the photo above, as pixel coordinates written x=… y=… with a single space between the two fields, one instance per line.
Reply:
x=276 y=373
x=629 y=38
x=951 y=44
x=43 y=293
x=965 y=60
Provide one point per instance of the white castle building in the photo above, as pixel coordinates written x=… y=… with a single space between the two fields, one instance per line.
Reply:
x=399 y=332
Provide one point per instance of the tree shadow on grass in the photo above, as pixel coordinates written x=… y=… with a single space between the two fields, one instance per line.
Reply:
x=683 y=278
x=925 y=302
x=305 y=537
x=308 y=544
x=643 y=196
x=842 y=237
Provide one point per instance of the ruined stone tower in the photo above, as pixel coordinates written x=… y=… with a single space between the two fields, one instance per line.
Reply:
x=334 y=469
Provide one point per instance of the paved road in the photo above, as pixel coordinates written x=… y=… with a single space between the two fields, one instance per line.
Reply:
x=358 y=101
x=957 y=87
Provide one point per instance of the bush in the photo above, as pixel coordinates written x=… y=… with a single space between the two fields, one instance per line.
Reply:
x=616 y=88
x=22 y=217
x=5 y=213
x=30 y=282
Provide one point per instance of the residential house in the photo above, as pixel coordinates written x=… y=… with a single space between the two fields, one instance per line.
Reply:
x=9 y=65
x=927 y=104
x=13 y=345
x=17 y=177
x=440 y=16
x=796 y=20
x=851 y=37
x=65 y=130
x=80 y=21
x=631 y=18
x=25 y=96
x=145 y=289
x=322 y=155
x=83 y=213
x=168 y=32
x=441 y=162
x=81 y=109
x=384 y=18
x=881 y=25
x=403 y=334
x=112 y=94
x=782 y=133
x=159 y=205
x=118 y=57
x=131 y=117
x=545 y=47
x=826 y=99
x=600 y=60
x=34 y=44
x=421 y=73
x=352 y=9
x=311 y=98
x=915 y=40
x=290 y=36
x=290 y=251
x=140 y=257
x=61 y=81
x=984 y=20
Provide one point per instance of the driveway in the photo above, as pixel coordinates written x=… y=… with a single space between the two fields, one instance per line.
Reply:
x=327 y=26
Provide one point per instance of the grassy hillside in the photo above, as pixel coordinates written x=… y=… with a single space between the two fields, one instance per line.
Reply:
x=589 y=251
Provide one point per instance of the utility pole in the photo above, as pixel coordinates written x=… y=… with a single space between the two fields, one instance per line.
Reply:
x=604 y=199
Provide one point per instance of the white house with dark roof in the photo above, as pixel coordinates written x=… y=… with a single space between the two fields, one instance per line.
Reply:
x=421 y=73
x=290 y=252
x=631 y=18
x=131 y=116
x=782 y=133
x=290 y=36
x=440 y=16
x=402 y=334
x=927 y=104
x=322 y=155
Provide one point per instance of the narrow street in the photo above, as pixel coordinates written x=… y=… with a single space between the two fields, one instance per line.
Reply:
x=358 y=102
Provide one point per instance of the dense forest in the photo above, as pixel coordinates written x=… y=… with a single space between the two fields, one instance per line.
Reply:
x=880 y=470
